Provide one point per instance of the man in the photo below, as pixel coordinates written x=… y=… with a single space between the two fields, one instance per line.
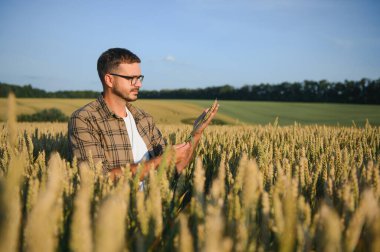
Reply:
x=115 y=132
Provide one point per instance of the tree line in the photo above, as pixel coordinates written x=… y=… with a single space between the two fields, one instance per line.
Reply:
x=364 y=91
x=27 y=91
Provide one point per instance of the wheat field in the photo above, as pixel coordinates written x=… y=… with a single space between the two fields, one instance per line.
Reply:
x=249 y=188
x=229 y=113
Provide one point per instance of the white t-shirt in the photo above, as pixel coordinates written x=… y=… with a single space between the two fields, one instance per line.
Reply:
x=139 y=149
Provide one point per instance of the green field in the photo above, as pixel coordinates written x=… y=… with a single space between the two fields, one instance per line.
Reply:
x=230 y=112
x=304 y=113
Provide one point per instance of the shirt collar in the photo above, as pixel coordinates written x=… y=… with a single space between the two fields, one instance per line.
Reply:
x=104 y=107
x=136 y=113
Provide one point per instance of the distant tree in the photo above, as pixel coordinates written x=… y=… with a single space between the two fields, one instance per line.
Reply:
x=373 y=92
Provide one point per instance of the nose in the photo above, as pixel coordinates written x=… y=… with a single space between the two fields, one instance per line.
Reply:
x=138 y=83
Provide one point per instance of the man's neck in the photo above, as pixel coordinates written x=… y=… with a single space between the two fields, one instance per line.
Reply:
x=116 y=104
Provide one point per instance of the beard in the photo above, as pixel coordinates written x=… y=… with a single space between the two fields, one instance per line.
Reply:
x=128 y=96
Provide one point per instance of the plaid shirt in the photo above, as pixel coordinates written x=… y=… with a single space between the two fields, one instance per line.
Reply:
x=94 y=128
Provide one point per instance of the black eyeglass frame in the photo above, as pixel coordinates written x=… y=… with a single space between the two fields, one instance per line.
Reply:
x=131 y=78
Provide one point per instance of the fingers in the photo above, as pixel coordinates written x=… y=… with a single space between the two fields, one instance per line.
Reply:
x=181 y=146
x=183 y=155
x=207 y=122
x=178 y=146
x=212 y=115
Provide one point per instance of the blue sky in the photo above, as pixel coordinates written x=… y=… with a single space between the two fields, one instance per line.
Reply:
x=54 y=45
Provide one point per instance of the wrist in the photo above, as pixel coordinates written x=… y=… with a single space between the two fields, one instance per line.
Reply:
x=197 y=136
x=157 y=161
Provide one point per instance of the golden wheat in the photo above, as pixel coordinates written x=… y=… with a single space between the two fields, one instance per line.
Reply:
x=249 y=188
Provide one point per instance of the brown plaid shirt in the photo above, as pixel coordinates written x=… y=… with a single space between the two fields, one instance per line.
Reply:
x=94 y=128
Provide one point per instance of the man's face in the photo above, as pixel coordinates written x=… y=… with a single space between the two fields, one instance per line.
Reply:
x=125 y=88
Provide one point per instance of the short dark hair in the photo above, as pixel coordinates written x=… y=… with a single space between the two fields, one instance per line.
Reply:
x=112 y=58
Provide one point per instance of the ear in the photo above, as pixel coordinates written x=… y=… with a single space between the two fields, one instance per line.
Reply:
x=108 y=80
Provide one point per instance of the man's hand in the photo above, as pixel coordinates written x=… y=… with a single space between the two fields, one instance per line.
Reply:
x=184 y=151
x=204 y=125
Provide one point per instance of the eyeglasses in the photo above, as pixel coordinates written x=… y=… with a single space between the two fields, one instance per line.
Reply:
x=133 y=79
